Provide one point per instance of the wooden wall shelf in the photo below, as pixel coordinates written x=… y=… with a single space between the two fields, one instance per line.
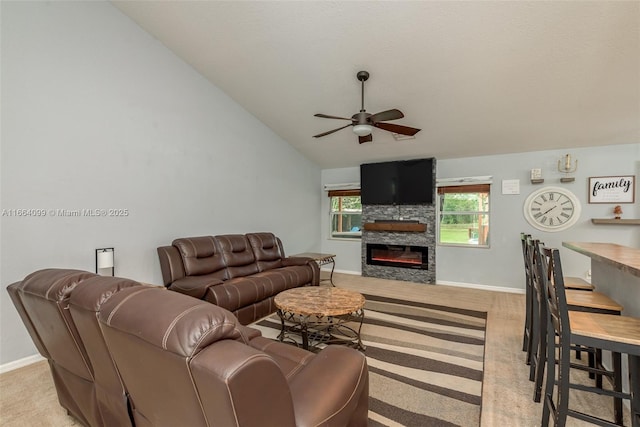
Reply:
x=395 y=226
x=615 y=221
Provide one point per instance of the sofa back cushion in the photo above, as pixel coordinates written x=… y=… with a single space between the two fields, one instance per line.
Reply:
x=267 y=250
x=84 y=304
x=44 y=295
x=238 y=255
x=201 y=255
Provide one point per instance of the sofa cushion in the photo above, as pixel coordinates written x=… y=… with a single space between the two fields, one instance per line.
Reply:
x=267 y=250
x=236 y=293
x=243 y=291
x=288 y=277
x=238 y=255
x=201 y=255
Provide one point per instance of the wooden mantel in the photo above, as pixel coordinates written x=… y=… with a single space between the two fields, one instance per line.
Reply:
x=395 y=226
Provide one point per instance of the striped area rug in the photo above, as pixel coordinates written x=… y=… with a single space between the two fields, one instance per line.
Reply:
x=425 y=362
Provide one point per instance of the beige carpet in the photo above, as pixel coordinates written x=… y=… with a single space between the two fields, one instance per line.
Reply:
x=27 y=396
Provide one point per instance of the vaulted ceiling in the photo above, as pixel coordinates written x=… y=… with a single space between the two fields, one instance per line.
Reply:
x=478 y=77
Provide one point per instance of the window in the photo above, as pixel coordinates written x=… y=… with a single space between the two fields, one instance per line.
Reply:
x=346 y=214
x=464 y=215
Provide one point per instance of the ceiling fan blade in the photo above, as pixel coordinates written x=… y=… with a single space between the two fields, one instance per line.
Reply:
x=402 y=130
x=386 y=115
x=325 y=116
x=331 y=131
x=366 y=138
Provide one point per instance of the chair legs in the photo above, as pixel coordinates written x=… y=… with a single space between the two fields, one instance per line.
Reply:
x=559 y=409
x=634 y=385
x=617 y=386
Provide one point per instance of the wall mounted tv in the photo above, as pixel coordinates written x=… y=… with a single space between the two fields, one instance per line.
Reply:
x=406 y=182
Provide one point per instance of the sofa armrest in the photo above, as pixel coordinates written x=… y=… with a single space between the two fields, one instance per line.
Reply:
x=195 y=286
x=170 y=264
x=339 y=396
x=231 y=375
x=290 y=261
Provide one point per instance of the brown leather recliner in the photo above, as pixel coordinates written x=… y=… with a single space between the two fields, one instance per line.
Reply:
x=84 y=305
x=87 y=385
x=188 y=362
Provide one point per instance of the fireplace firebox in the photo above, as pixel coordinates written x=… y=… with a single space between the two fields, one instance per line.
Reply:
x=403 y=256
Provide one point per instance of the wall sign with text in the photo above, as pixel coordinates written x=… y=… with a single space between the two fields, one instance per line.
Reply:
x=612 y=189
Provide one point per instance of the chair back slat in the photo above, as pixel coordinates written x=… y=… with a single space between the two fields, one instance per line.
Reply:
x=536 y=281
x=550 y=268
x=523 y=240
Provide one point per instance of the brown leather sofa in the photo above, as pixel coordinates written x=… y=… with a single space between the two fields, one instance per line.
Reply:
x=241 y=273
x=122 y=353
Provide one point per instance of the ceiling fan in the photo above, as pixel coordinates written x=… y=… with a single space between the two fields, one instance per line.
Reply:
x=363 y=122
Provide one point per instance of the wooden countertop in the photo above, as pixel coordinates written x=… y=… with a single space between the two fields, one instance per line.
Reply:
x=624 y=258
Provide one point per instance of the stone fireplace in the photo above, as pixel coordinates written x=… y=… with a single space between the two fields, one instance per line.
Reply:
x=399 y=229
x=402 y=230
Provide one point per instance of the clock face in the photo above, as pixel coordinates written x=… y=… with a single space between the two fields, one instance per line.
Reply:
x=552 y=209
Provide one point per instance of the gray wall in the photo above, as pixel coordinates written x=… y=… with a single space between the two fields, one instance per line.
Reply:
x=98 y=114
x=500 y=266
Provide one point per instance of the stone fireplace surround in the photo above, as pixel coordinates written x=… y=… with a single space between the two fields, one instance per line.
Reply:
x=424 y=214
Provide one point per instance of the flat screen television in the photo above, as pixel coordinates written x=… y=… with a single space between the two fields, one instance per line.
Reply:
x=406 y=182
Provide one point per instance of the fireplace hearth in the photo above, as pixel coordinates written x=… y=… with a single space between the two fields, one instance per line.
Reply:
x=402 y=256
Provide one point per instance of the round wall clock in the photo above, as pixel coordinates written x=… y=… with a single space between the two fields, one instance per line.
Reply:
x=552 y=209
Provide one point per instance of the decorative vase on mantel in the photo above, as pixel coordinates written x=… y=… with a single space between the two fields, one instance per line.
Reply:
x=617 y=212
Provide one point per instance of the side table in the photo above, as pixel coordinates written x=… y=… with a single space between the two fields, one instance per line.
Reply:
x=321 y=259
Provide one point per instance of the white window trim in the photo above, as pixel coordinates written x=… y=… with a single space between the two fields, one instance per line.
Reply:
x=345 y=186
x=451 y=182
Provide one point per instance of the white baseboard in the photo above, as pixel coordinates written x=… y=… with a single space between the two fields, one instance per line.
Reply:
x=6 y=367
x=353 y=273
x=483 y=287
x=458 y=284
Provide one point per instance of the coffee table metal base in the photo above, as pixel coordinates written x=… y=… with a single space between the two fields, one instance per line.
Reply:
x=318 y=330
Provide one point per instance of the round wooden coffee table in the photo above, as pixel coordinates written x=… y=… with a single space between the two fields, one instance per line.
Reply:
x=321 y=315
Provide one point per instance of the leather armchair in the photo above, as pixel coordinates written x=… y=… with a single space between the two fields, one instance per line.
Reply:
x=188 y=362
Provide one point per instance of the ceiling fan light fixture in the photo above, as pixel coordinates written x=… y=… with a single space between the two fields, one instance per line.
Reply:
x=362 y=130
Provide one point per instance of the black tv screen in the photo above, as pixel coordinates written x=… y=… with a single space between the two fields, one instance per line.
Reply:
x=408 y=182
x=378 y=183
